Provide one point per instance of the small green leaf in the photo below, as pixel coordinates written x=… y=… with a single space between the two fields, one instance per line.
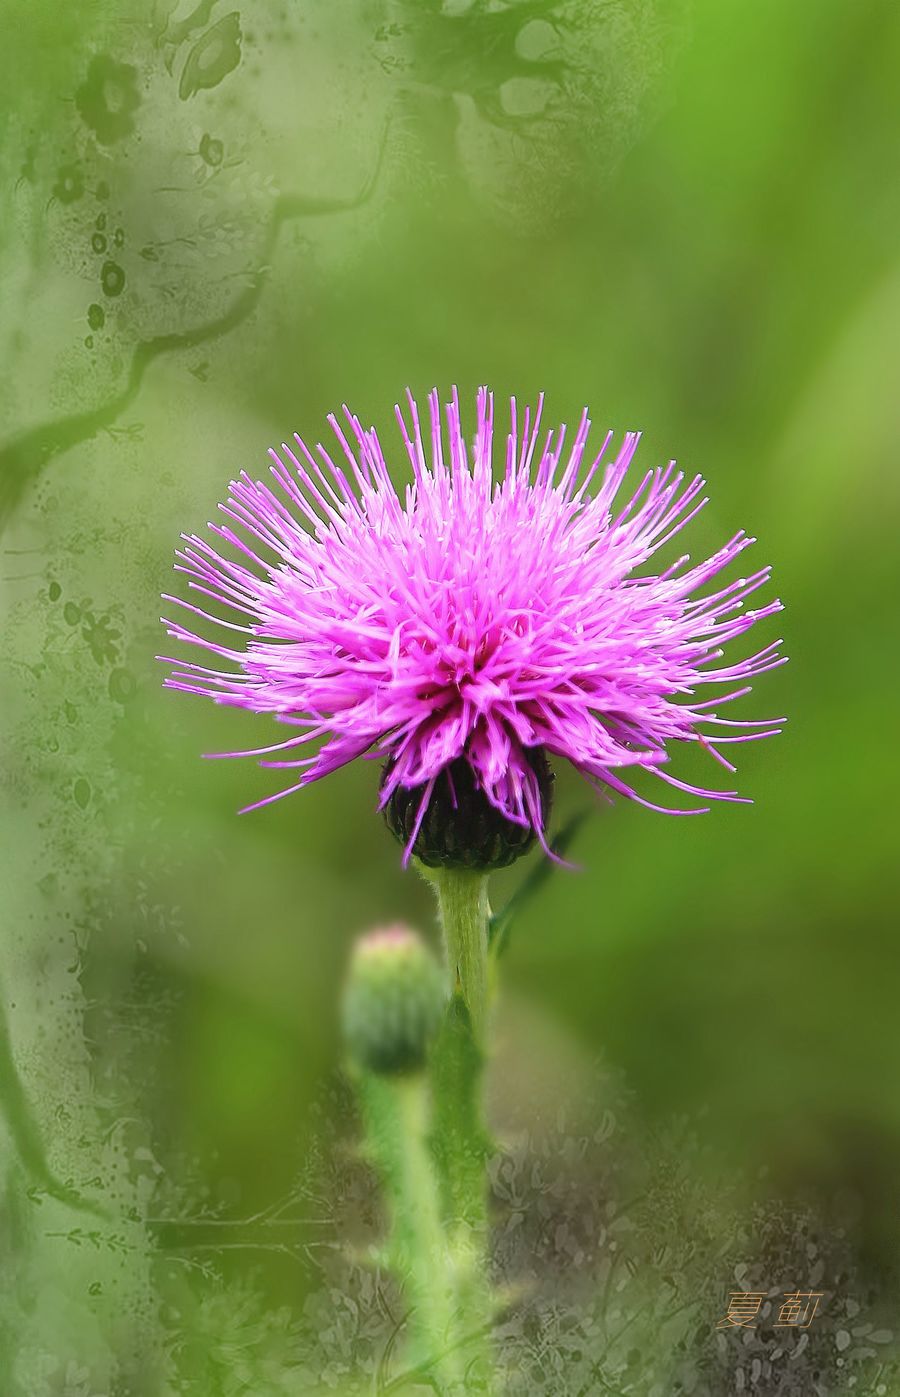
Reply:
x=501 y=922
x=459 y=1141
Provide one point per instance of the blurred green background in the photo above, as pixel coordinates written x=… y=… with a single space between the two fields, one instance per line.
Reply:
x=216 y=227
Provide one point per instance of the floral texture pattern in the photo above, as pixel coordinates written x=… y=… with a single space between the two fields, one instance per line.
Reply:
x=478 y=614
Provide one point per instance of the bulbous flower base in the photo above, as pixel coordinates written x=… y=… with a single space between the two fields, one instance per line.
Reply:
x=461 y=828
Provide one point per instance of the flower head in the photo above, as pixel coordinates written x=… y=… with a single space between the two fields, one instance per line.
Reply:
x=393 y=1001
x=474 y=617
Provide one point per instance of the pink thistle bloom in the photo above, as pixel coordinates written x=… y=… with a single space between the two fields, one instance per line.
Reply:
x=475 y=616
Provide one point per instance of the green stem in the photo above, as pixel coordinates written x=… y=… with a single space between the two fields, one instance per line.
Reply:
x=464 y=912
x=397 y=1111
x=462 y=1143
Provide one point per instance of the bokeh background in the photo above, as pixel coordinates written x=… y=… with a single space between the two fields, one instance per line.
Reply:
x=216 y=226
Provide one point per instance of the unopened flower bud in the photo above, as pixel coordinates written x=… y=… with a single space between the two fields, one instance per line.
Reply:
x=461 y=828
x=393 y=1001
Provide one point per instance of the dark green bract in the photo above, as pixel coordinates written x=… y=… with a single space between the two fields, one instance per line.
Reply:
x=461 y=828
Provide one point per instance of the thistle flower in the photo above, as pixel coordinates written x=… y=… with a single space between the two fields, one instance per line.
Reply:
x=393 y=1001
x=477 y=621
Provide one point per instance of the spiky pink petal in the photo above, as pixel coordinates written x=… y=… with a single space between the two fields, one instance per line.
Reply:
x=479 y=614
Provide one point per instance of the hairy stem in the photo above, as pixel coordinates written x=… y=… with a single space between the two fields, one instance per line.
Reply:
x=462 y=1145
x=397 y=1116
x=464 y=912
